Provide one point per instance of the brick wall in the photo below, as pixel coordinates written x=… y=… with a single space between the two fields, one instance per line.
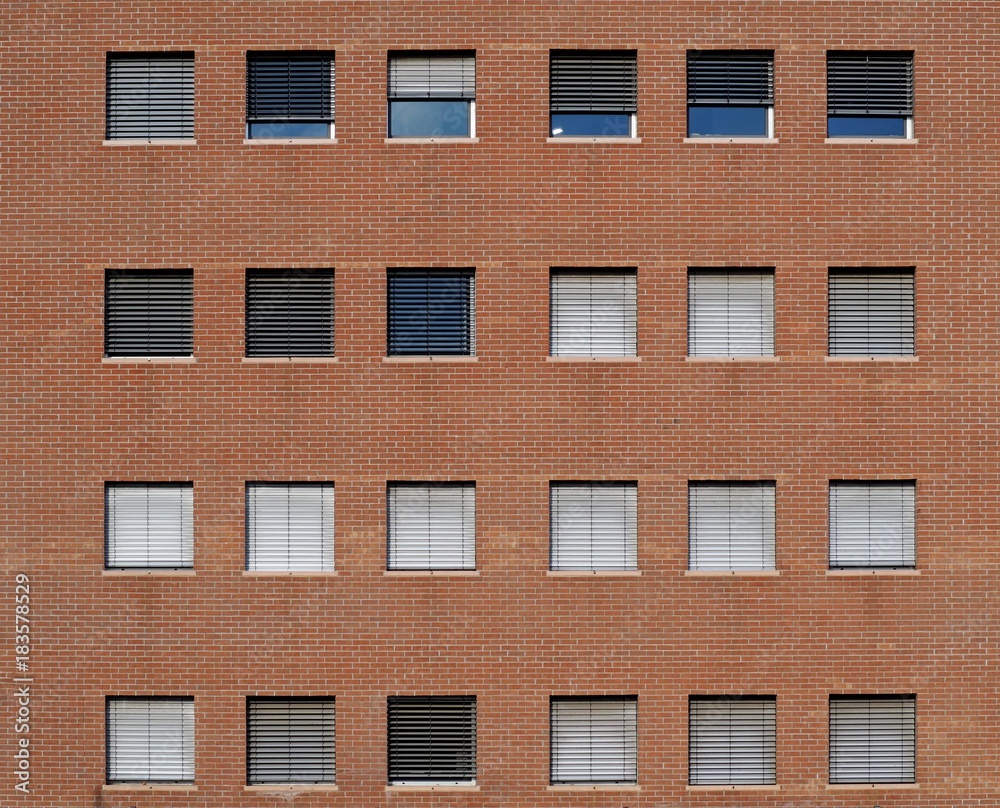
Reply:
x=512 y=205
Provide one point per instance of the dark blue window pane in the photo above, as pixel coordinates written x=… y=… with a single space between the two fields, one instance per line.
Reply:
x=727 y=121
x=591 y=124
x=430 y=314
x=265 y=130
x=866 y=126
x=429 y=119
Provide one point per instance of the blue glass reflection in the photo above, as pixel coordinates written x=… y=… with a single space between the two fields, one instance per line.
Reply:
x=290 y=130
x=429 y=119
x=591 y=124
x=727 y=121
x=866 y=126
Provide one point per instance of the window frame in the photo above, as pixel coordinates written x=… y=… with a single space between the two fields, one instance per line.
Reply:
x=320 y=546
x=135 y=89
x=575 y=315
x=723 y=292
x=185 y=728
x=455 y=511
x=148 y=309
x=884 y=314
x=451 y=330
x=736 y=81
x=450 y=89
x=593 y=85
x=561 y=748
x=903 y=546
x=726 y=744
x=184 y=528
x=451 y=720
x=761 y=546
x=901 y=770
x=324 y=115
x=323 y=722
x=853 y=98
x=276 y=300
x=607 y=534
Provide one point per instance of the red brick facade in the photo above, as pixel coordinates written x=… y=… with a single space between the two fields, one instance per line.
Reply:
x=512 y=204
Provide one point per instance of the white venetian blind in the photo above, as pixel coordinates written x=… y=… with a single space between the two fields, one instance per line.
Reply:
x=731 y=525
x=149 y=525
x=593 y=740
x=872 y=524
x=150 y=740
x=432 y=526
x=872 y=739
x=432 y=75
x=731 y=741
x=290 y=526
x=730 y=313
x=592 y=526
x=592 y=313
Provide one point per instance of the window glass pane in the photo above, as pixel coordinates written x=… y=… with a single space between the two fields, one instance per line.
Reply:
x=432 y=526
x=872 y=739
x=591 y=124
x=871 y=312
x=289 y=312
x=593 y=740
x=592 y=313
x=731 y=741
x=730 y=313
x=429 y=118
x=866 y=126
x=148 y=313
x=150 y=740
x=291 y=741
x=727 y=121
x=431 y=313
x=432 y=739
x=150 y=96
x=265 y=130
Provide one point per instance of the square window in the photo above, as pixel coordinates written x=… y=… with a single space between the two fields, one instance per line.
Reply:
x=291 y=741
x=730 y=312
x=290 y=527
x=873 y=739
x=290 y=94
x=150 y=740
x=148 y=525
x=592 y=740
x=289 y=312
x=731 y=740
x=150 y=96
x=431 y=312
x=872 y=524
x=871 y=312
x=432 y=739
x=592 y=312
x=592 y=526
x=593 y=93
x=869 y=94
x=148 y=313
x=731 y=526
x=432 y=95
x=730 y=93
x=432 y=526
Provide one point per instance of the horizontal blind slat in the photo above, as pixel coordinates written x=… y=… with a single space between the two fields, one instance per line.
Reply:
x=730 y=78
x=440 y=76
x=593 y=81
